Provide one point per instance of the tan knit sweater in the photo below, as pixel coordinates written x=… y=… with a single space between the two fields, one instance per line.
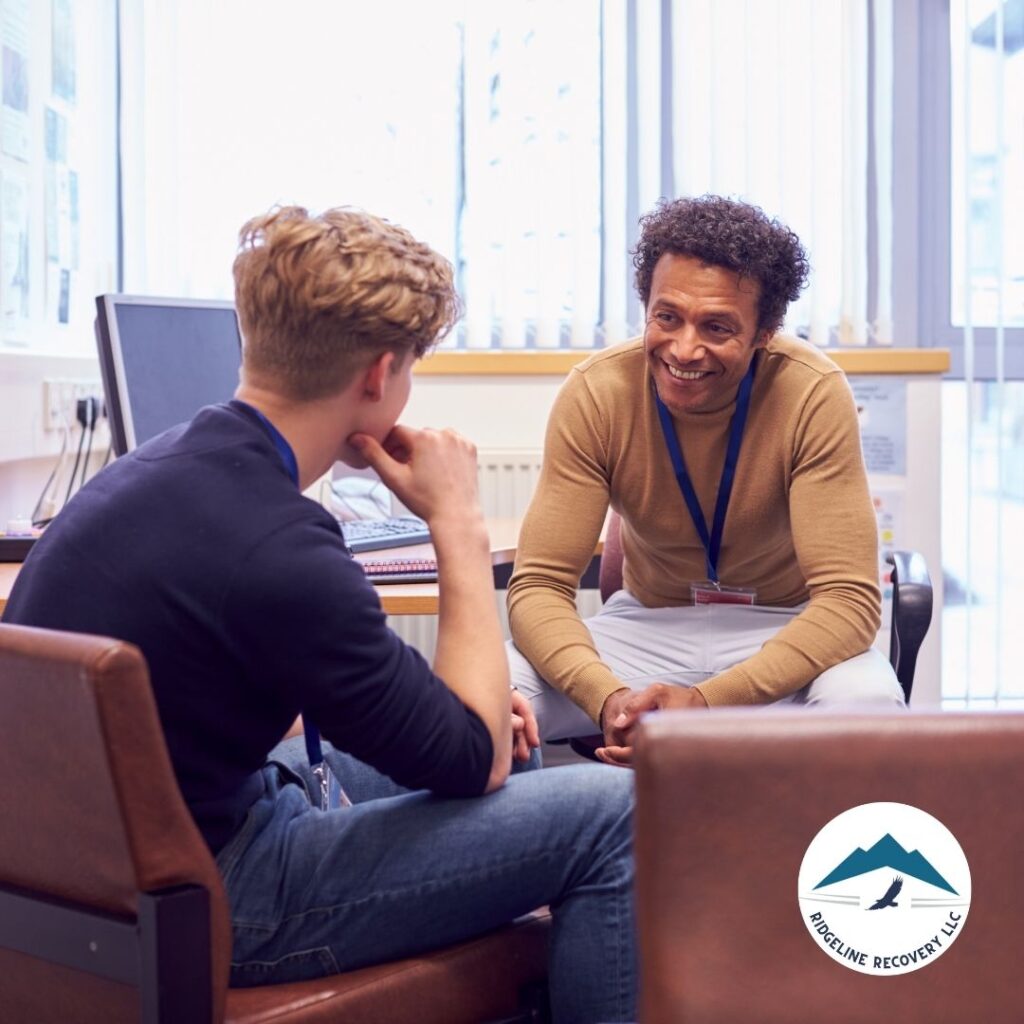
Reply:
x=800 y=525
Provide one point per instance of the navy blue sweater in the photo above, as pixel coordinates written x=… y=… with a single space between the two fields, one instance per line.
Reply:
x=241 y=594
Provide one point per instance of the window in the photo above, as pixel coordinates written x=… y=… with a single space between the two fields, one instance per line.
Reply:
x=477 y=126
x=970 y=213
x=522 y=140
x=970 y=219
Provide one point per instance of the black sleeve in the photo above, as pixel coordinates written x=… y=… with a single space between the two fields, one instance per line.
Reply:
x=312 y=631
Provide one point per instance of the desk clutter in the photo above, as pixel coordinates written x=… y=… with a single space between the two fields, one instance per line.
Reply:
x=400 y=570
x=17 y=540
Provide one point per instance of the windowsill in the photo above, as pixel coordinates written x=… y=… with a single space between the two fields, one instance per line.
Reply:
x=557 y=363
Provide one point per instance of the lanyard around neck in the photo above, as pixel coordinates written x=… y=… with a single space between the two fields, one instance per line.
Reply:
x=712 y=542
x=284 y=449
x=313 y=749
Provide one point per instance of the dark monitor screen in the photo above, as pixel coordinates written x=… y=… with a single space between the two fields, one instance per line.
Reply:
x=162 y=360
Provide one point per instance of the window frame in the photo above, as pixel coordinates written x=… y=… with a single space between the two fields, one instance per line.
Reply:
x=923 y=83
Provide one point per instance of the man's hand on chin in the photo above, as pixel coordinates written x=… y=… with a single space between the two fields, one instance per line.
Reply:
x=622 y=711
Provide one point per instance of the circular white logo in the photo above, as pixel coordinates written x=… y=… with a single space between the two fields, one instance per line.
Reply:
x=884 y=888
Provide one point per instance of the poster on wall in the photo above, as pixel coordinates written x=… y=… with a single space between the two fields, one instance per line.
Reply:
x=61 y=214
x=63 y=51
x=882 y=411
x=76 y=239
x=14 y=122
x=14 y=266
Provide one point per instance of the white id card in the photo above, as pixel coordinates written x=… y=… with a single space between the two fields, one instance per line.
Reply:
x=707 y=592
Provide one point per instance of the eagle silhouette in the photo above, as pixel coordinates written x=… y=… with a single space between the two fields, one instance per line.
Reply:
x=889 y=899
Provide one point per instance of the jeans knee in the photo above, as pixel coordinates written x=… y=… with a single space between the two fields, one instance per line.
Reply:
x=604 y=798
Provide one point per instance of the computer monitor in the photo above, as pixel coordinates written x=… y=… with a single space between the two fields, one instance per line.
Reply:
x=162 y=360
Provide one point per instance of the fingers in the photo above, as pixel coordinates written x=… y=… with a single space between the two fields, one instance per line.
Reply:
x=649 y=699
x=399 y=442
x=387 y=462
x=521 y=749
x=532 y=731
x=520 y=745
x=433 y=472
x=521 y=707
x=617 y=757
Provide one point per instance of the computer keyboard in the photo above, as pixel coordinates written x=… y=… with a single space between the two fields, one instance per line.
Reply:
x=376 y=534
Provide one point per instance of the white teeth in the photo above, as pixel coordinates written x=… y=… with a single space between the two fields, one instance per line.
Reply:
x=686 y=374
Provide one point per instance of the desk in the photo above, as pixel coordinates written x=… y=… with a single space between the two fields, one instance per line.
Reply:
x=8 y=572
x=397 y=598
x=422 y=598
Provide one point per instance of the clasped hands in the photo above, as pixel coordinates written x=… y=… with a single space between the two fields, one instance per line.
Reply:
x=622 y=710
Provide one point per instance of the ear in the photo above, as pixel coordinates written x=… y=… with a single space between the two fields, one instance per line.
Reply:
x=375 y=375
x=762 y=338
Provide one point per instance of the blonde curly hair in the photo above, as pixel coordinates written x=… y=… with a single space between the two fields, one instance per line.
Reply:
x=320 y=297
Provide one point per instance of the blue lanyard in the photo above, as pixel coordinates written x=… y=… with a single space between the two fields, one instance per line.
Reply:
x=313 y=749
x=284 y=449
x=713 y=542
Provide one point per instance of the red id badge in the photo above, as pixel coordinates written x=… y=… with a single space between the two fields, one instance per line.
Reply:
x=713 y=593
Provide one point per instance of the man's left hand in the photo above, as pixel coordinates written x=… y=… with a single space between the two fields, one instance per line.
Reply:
x=525 y=734
x=656 y=697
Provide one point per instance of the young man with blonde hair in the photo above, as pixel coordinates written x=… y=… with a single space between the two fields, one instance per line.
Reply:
x=200 y=548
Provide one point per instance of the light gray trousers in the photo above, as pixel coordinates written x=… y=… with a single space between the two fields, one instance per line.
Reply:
x=687 y=645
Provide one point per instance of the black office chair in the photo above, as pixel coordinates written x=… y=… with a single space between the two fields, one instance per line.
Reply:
x=911 y=612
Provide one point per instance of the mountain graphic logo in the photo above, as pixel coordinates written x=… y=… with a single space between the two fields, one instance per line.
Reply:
x=886 y=853
x=884 y=889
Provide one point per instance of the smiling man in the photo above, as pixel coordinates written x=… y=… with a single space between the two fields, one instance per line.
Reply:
x=732 y=454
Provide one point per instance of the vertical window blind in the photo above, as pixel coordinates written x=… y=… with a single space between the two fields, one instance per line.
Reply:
x=522 y=140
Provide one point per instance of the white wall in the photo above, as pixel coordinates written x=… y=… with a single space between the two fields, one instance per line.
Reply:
x=27 y=451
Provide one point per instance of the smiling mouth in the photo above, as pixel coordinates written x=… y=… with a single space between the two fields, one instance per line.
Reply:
x=678 y=374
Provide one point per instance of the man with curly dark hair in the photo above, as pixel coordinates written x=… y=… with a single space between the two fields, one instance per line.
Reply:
x=731 y=456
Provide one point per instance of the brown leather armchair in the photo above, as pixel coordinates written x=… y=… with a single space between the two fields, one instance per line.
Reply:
x=111 y=906
x=728 y=802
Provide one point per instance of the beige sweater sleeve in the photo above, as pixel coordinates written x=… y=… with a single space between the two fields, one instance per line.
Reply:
x=556 y=542
x=835 y=536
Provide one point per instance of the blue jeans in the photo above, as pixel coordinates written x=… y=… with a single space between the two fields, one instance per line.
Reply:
x=399 y=872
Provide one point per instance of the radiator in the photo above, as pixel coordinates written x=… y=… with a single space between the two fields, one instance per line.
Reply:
x=508 y=478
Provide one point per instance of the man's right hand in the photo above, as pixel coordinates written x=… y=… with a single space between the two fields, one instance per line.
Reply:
x=433 y=472
x=620 y=719
x=613 y=707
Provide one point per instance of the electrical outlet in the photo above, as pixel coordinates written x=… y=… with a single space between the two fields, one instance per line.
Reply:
x=60 y=397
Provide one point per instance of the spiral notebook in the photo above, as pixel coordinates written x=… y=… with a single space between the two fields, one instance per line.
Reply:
x=399 y=570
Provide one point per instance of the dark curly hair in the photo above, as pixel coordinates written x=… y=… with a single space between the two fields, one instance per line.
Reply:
x=725 y=233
